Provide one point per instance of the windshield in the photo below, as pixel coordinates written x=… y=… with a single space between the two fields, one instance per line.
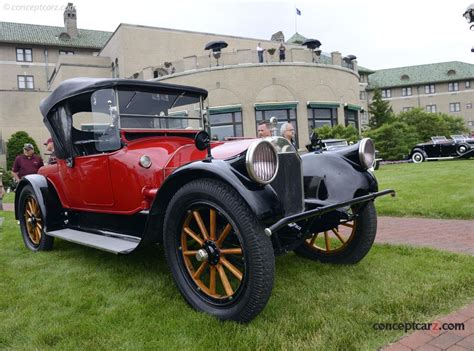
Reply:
x=152 y=110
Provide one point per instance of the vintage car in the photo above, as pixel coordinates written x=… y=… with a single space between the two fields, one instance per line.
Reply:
x=440 y=148
x=135 y=167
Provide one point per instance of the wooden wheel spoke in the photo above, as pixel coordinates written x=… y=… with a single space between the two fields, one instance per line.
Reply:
x=224 y=280
x=233 y=269
x=348 y=225
x=326 y=240
x=30 y=207
x=202 y=227
x=190 y=253
x=236 y=251
x=313 y=239
x=28 y=212
x=224 y=234
x=212 y=219
x=335 y=231
x=193 y=235
x=212 y=280
x=200 y=270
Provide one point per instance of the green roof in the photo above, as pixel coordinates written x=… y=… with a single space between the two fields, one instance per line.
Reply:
x=422 y=74
x=297 y=38
x=365 y=70
x=32 y=34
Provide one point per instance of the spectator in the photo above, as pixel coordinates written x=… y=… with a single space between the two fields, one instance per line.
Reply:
x=260 y=51
x=263 y=129
x=282 y=50
x=50 y=148
x=288 y=132
x=28 y=163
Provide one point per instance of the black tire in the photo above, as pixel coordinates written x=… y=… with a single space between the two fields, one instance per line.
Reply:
x=417 y=157
x=32 y=223
x=357 y=243
x=255 y=263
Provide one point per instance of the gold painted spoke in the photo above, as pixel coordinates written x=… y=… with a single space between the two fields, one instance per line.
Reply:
x=212 y=219
x=326 y=240
x=190 y=253
x=193 y=235
x=224 y=234
x=313 y=239
x=224 y=280
x=236 y=251
x=233 y=269
x=338 y=235
x=30 y=207
x=28 y=212
x=201 y=225
x=212 y=280
x=200 y=270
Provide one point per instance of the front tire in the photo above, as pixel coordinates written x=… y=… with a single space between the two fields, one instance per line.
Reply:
x=32 y=222
x=417 y=157
x=462 y=149
x=347 y=243
x=218 y=254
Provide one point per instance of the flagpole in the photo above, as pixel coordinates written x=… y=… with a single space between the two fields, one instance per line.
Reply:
x=296 y=20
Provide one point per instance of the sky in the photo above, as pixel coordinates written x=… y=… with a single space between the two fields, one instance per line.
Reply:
x=382 y=34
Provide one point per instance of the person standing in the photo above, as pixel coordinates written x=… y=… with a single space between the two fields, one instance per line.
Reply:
x=263 y=129
x=27 y=163
x=260 y=51
x=288 y=132
x=50 y=148
x=282 y=50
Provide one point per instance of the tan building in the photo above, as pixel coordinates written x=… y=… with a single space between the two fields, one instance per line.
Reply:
x=446 y=87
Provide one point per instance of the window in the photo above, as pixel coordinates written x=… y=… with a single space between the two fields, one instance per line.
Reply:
x=406 y=109
x=406 y=91
x=431 y=108
x=351 y=118
x=455 y=107
x=453 y=86
x=362 y=95
x=225 y=125
x=319 y=117
x=469 y=105
x=430 y=89
x=467 y=84
x=26 y=82
x=24 y=55
x=66 y=52
x=284 y=115
x=386 y=93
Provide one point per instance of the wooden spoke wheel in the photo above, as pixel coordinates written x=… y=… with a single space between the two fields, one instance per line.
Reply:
x=348 y=242
x=212 y=252
x=220 y=258
x=32 y=221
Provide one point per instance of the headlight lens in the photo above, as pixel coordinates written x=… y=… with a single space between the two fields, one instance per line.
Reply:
x=262 y=161
x=366 y=153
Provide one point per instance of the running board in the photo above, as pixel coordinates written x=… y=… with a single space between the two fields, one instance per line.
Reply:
x=110 y=242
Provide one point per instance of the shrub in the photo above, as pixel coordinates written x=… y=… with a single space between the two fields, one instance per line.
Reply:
x=7 y=178
x=338 y=132
x=15 y=146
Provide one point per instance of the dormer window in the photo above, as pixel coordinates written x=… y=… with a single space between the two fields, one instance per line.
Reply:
x=451 y=72
x=405 y=77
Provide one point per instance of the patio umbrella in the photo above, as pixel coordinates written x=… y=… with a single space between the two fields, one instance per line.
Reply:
x=312 y=43
x=216 y=45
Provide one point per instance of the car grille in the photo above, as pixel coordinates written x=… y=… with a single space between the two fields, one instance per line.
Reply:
x=288 y=183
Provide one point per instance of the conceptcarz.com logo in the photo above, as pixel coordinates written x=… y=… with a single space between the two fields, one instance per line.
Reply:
x=409 y=326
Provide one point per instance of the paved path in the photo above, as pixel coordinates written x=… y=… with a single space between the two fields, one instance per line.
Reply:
x=451 y=235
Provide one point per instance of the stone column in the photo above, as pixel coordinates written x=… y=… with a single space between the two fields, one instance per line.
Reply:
x=336 y=58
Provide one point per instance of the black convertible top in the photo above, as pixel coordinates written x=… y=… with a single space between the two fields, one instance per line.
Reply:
x=77 y=86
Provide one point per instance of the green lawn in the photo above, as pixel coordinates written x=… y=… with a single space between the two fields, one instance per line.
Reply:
x=9 y=198
x=441 y=189
x=79 y=298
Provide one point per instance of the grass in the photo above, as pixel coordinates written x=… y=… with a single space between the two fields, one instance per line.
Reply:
x=441 y=189
x=77 y=298
x=9 y=198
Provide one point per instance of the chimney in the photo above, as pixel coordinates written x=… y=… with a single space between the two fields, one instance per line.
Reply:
x=70 y=21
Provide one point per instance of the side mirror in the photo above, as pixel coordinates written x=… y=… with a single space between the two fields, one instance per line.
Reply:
x=202 y=140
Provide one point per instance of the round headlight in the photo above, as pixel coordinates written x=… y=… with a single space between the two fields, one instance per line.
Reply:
x=145 y=161
x=366 y=153
x=262 y=161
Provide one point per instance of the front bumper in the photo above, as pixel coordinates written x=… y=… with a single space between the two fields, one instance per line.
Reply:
x=311 y=214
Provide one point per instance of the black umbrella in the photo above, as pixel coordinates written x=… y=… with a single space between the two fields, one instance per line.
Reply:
x=216 y=45
x=349 y=58
x=312 y=43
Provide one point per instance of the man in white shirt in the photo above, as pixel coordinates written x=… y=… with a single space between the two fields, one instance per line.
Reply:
x=260 y=51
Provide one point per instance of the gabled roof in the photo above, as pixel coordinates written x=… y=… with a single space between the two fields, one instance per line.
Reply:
x=296 y=38
x=421 y=74
x=33 y=34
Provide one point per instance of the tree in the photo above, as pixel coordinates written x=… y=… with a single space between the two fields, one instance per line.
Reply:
x=380 y=111
x=338 y=132
x=427 y=124
x=15 y=146
x=393 y=140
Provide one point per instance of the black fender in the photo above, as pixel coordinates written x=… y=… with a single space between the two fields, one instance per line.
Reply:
x=47 y=197
x=420 y=151
x=262 y=200
x=332 y=177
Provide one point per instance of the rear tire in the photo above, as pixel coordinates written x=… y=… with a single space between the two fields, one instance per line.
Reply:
x=353 y=247
x=218 y=254
x=32 y=222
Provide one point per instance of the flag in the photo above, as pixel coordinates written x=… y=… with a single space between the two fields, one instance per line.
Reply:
x=298 y=12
